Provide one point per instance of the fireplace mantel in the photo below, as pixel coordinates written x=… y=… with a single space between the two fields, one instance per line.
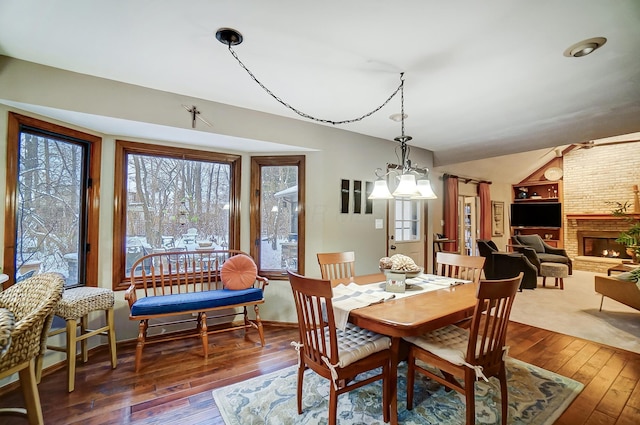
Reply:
x=600 y=216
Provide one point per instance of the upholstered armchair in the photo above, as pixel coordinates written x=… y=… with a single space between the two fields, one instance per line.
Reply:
x=505 y=265
x=538 y=251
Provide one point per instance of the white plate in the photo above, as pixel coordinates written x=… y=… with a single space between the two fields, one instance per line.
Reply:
x=553 y=173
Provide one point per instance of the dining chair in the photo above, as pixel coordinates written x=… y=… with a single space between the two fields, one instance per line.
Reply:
x=337 y=265
x=32 y=303
x=467 y=267
x=468 y=354
x=337 y=355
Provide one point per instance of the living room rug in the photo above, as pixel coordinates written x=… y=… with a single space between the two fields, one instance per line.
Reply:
x=536 y=397
x=575 y=311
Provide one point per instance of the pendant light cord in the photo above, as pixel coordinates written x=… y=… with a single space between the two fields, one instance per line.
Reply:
x=305 y=115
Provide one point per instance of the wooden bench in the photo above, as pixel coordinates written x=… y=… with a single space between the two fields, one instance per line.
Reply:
x=187 y=286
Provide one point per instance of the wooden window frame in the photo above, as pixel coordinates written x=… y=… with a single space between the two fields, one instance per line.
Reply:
x=15 y=123
x=257 y=162
x=124 y=148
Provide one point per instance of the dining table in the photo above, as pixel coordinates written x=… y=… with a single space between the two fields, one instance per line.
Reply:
x=410 y=316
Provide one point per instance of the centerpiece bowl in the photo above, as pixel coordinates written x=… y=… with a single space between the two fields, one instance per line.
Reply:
x=408 y=273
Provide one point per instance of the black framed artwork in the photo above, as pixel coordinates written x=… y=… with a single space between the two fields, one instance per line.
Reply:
x=368 y=206
x=357 y=196
x=344 y=196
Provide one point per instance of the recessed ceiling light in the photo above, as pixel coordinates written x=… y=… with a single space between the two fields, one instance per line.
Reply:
x=585 y=47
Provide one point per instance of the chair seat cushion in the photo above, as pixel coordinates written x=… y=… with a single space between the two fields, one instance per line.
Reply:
x=553 y=258
x=78 y=302
x=355 y=343
x=449 y=343
x=194 y=301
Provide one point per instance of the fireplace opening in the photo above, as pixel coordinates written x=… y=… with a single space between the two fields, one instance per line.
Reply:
x=606 y=247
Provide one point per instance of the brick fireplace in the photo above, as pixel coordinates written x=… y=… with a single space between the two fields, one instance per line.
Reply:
x=587 y=236
x=601 y=244
x=594 y=179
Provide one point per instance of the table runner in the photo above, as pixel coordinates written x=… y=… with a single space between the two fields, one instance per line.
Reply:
x=352 y=296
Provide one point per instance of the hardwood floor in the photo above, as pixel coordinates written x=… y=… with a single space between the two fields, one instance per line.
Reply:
x=174 y=386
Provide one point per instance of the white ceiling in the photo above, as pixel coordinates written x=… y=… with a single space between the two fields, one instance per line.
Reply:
x=483 y=78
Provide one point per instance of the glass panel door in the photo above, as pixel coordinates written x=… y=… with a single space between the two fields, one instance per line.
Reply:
x=406 y=234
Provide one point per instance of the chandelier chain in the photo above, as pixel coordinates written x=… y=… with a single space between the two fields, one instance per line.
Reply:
x=402 y=101
x=305 y=115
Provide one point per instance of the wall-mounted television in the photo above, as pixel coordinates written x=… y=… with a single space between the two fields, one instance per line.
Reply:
x=536 y=214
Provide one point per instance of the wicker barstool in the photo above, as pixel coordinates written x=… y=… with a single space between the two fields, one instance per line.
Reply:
x=31 y=302
x=74 y=308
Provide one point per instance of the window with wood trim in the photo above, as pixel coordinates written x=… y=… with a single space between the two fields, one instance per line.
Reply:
x=51 y=208
x=277 y=214
x=172 y=199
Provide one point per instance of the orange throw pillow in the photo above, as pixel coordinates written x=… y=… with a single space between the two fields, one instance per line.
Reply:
x=239 y=272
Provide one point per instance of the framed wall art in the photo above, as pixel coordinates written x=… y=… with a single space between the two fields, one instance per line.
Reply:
x=344 y=196
x=368 y=208
x=357 y=196
x=497 y=222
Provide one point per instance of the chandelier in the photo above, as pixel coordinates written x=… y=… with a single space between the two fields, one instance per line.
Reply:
x=413 y=181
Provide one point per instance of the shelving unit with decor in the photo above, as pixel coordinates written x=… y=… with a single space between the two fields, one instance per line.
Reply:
x=542 y=191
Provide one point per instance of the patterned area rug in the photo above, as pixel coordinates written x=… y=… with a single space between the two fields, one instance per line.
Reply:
x=536 y=396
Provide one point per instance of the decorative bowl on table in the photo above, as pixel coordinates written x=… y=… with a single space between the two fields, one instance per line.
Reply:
x=205 y=244
x=408 y=273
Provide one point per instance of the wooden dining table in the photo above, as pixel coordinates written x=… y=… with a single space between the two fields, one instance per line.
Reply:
x=410 y=316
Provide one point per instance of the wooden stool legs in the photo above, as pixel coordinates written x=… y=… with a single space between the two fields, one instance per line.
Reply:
x=74 y=337
x=557 y=279
x=112 y=338
x=30 y=393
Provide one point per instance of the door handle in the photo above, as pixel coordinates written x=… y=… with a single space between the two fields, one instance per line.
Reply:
x=392 y=247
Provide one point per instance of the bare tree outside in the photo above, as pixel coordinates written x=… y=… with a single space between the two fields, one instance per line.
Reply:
x=175 y=204
x=279 y=225
x=51 y=180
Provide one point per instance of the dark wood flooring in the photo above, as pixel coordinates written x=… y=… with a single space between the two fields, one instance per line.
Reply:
x=175 y=384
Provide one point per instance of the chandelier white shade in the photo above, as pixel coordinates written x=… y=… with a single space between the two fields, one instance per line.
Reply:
x=426 y=192
x=380 y=190
x=407 y=187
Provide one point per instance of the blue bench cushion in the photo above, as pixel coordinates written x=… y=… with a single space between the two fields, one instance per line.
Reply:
x=193 y=301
